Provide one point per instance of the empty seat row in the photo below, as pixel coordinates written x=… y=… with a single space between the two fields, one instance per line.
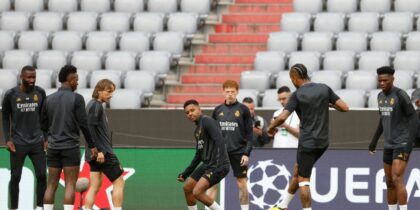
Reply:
x=95 y=41
x=353 y=41
x=355 y=98
x=316 y=6
x=272 y=61
x=186 y=23
x=132 y=6
x=47 y=79
x=156 y=61
x=359 y=22
x=364 y=80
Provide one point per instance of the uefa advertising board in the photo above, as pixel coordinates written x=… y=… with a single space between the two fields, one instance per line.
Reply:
x=350 y=179
x=341 y=179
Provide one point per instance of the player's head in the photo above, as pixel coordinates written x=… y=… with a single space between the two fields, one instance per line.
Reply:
x=230 y=91
x=283 y=94
x=299 y=75
x=68 y=76
x=249 y=102
x=385 y=77
x=28 y=77
x=415 y=97
x=192 y=110
x=103 y=90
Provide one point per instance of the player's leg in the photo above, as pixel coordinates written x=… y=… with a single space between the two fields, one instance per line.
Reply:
x=212 y=192
x=95 y=185
x=16 y=163
x=188 y=192
x=292 y=188
x=71 y=165
x=240 y=172
x=114 y=171
x=71 y=173
x=37 y=156
x=391 y=193
x=52 y=184
x=399 y=165
x=209 y=178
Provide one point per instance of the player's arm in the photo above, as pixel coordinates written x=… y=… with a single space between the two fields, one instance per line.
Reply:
x=6 y=112
x=249 y=131
x=375 y=138
x=93 y=115
x=81 y=118
x=336 y=102
x=282 y=117
x=188 y=171
x=408 y=110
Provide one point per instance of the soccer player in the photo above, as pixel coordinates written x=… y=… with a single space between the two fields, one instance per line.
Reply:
x=236 y=123
x=397 y=115
x=211 y=152
x=311 y=102
x=21 y=114
x=107 y=162
x=63 y=115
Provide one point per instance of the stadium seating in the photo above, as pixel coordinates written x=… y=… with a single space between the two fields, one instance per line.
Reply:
x=149 y=22
x=364 y=22
x=403 y=79
x=398 y=22
x=283 y=79
x=201 y=7
x=407 y=60
x=283 y=41
x=16 y=59
x=310 y=59
x=243 y=93
x=87 y=60
x=120 y=60
x=329 y=22
x=269 y=61
x=95 y=5
x=257 y=80
x=7 y=40
x=373 y=98
x=86 y=93
x=339 y=60
x=364 y=80
x=183 y=22
x=352 y=41
x=126 y=99
x=7 y=80
x=296 y=22
x=82 y=21
x=131 y=6
x=62 y=5
x=48 y=21
x=140 y=80
x=329 y=77
x=33 y=40
x=407 y=5
x=172 y=42
x=5 y=6
x=317 y=41
x=44 y=78
x=115 y=21
x=354 y=98
x=114 y=76
x=311 y=6
x=29 y=5
x=157 y=61
x=67 y=40
x=14 y=21
x=413 y=41
x=371 y=60
x=342 y=6
x=164 y=6
x=270 y=99
x=51 y=59
x=101 y=41
x=386 y=41
x=375 y=5
x=135 y=41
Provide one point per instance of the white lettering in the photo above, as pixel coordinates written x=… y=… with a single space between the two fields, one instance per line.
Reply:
x=413 y=180
x=380 y=186
x=332 y=193
x=352 y=185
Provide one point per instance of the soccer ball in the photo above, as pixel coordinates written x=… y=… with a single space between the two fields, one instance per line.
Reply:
x=267 y=183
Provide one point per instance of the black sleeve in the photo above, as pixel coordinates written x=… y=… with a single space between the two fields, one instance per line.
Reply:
x=41 y=110
x=332 y=97
x=212 y=128
x=194 y=163
x=81 y=117
x=375 y=139
x=93 y=115
x=293 y=103
x=6 y=112
x=214 y=114
x=249 y=132
x=405 y=104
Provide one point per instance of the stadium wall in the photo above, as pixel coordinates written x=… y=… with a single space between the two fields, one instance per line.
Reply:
x=157 y=128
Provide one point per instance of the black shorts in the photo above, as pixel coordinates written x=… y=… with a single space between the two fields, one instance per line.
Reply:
x=213 y=176
x=306 y=159
x=111 y=167
x=63 y=157
x=397 y=153
x=238 y=170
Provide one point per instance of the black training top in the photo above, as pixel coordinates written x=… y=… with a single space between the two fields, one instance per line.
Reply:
x=21 y=114
x=210 y=146
x=397 y=115
x=64 y=114
x=236 y=124
x=311 y=102
x=98 y=127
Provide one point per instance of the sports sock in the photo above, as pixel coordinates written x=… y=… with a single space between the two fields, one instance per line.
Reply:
x=310 y=208
x=392 y=207
x=285 y=202
x=68 y=207
x=48 y=206
x=192 y=207
x=244 y=207
x=215 y=206
x=403 y=207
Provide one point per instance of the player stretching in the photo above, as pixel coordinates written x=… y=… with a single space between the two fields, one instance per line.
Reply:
x=397 y=115
x=107 y=162
x=211 y=151
x=311 y=102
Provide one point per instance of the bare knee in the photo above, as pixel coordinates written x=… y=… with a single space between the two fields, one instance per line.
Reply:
x=242 y=182
x=390 y=183
x=119 y=183
x=197 y=192
x=188 y=188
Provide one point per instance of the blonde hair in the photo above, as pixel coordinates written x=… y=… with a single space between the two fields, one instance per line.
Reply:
x=231 y=84
x=102 y=85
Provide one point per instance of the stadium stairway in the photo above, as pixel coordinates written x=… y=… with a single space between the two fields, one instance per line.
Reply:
x=230 y=48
